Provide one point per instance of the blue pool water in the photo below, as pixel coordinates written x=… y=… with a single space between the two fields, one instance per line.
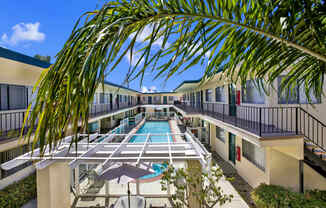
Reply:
x=153 y=127
x=158 y=168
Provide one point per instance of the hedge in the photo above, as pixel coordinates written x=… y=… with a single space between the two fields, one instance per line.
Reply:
x=19 y=193
x=272 y=196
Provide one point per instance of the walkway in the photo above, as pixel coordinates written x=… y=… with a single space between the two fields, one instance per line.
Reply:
x=238 y=185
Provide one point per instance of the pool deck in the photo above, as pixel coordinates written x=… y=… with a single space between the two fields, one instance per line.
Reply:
x=175 y=130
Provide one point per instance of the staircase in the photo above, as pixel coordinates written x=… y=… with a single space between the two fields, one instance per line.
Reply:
x=314 y=132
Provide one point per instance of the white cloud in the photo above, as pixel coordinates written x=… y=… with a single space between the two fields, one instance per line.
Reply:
x=147 y=31
x=207 y=54
x=144 y=89
x=153 y=89
x=24 y=32
x=135 y=58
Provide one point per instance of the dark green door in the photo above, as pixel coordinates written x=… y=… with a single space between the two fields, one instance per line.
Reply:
x=232 y=100
x=232 y=148
x=150 y=100
x=165 y=100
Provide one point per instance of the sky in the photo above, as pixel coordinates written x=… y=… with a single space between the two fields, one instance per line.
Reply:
x=42 y=27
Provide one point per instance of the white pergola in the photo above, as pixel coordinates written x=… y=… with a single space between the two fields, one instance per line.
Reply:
x=104 y=151
x=108 y=152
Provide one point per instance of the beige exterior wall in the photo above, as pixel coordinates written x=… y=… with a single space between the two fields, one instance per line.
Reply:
x=284 y=170
x=53 y=186
x=312 y=179
x=17 y=73
x=249 y=171
x=217 y=145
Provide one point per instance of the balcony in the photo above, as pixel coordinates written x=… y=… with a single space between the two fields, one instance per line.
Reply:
x=262 y=121
x=11 y=123
x=102 y=109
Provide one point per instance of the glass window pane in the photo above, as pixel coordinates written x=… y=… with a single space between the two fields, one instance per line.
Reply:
x=220 y=94
x=251 y=93
x=17 y=97
x=288 y=95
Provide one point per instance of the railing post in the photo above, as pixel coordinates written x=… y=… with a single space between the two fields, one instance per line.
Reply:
x=296 y=120
x=260 y=122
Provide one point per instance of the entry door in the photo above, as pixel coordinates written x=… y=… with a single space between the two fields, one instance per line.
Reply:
x=118 y=100
x=111 y=101
x=201 y=99
x=165 y=100
x=232 y=100
x=197 y=99
x=149 y=99
x=232 y=151
x=138 y=100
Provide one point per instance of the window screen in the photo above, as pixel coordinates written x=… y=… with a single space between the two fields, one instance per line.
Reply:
x=254 y=154
x=220 y=134
x=220 y=94
x=208 y=95
x=251 y=93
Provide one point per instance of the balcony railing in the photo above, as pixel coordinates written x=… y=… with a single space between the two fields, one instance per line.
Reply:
x=11 y=124
x=102 y=109
x=264 y=121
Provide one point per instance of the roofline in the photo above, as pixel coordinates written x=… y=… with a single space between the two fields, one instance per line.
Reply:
x=19 y=57
x=120 y=86
x=151 y=93
x=187 y=82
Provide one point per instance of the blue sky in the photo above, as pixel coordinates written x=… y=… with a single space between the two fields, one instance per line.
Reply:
x=42 y=27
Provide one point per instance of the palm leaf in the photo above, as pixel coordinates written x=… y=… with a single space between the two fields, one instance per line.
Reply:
x=258 y=38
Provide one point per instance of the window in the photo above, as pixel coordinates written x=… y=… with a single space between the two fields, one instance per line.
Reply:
x=220 y=134
x=295 y=95
x=13 y=97
x=208 y=95
x=103 y=98
x=251 y=93
x=254 y=154
x=220 y=94
x=171 y=98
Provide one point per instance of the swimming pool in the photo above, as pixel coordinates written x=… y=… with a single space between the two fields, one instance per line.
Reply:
x=158 y=168
x=153 y=127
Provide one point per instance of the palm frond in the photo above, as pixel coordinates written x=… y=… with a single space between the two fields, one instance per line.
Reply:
x=256 y=38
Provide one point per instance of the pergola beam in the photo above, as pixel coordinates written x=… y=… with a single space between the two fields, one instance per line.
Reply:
x=107 y=153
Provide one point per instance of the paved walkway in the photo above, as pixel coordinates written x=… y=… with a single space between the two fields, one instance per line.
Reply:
x=238 y=184
x=237 y=200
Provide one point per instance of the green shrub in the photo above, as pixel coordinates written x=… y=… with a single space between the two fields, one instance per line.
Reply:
x=19 y=193
x=271 y=196
x=316 y=195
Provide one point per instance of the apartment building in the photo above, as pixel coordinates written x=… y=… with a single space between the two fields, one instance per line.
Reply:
x=19 y=73
x=268 y=136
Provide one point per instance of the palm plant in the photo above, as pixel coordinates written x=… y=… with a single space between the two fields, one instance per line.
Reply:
x=244 y=38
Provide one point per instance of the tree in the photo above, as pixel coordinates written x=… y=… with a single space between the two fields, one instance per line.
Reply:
x=243 y=39
x=43 y=58
x=188 y=185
